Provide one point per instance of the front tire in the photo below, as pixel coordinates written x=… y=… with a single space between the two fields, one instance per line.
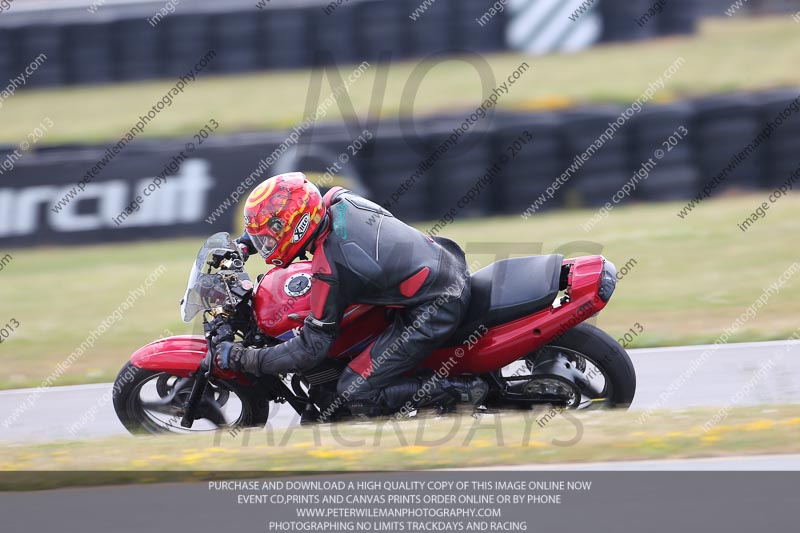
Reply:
x=133 y=413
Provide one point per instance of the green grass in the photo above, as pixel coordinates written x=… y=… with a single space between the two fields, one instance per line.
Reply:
x=692 y=278
x=726 y=55
x=415 y=444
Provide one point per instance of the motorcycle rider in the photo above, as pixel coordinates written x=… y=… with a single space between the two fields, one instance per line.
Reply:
x=361 y=254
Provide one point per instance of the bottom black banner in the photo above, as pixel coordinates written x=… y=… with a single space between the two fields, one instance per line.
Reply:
x=410 y=501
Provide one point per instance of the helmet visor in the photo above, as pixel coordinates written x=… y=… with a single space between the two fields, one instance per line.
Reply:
x=265 y=244
x=267 y=241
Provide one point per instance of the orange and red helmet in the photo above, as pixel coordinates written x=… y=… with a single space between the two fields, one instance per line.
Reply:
x=281 y=215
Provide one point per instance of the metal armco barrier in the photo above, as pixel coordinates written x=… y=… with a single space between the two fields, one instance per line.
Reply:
x=498 y=167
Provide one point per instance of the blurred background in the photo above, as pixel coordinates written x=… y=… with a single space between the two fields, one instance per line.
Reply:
x=130 y=129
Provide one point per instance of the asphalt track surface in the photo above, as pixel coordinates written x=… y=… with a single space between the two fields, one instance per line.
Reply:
x=674 y=377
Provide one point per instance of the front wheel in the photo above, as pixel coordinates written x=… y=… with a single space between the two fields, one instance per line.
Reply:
x=151 y=402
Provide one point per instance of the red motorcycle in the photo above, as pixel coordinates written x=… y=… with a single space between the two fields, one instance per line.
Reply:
x=524 y=334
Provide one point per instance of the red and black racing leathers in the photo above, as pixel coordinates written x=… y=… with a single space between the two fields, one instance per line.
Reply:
x=363 y=254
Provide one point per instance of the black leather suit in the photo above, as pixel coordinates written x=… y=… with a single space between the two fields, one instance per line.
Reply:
x=362 y=254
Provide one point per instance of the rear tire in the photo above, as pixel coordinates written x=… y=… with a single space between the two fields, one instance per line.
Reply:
x=129 y=409
x=608 y=355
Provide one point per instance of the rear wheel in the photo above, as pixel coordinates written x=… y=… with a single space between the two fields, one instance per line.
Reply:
x=583 y=368
x=151 y=402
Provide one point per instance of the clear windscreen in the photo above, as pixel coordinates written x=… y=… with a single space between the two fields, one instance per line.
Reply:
x=205 y=289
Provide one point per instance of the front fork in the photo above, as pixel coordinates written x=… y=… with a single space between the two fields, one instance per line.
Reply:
x=223 y=333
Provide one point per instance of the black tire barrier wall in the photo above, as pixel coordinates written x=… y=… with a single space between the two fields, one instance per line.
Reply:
x=717 y=8
x=632 y=20
x=619 y=20
x=720 y=123
x=782 y=154
x=534 y=168
x=119 y=44
x=607 y=169
x=676 y=176
x=388 y=166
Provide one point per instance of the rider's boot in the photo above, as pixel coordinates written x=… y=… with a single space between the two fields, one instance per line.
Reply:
x=441 y=392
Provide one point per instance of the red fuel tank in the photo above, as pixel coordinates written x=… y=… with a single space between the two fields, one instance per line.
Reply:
x=282 y=302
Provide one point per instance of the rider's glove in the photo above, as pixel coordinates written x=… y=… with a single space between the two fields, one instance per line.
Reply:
x=229 y=356
x=245 y=245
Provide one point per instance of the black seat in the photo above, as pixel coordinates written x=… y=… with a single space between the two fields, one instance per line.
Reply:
x=510 y=289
